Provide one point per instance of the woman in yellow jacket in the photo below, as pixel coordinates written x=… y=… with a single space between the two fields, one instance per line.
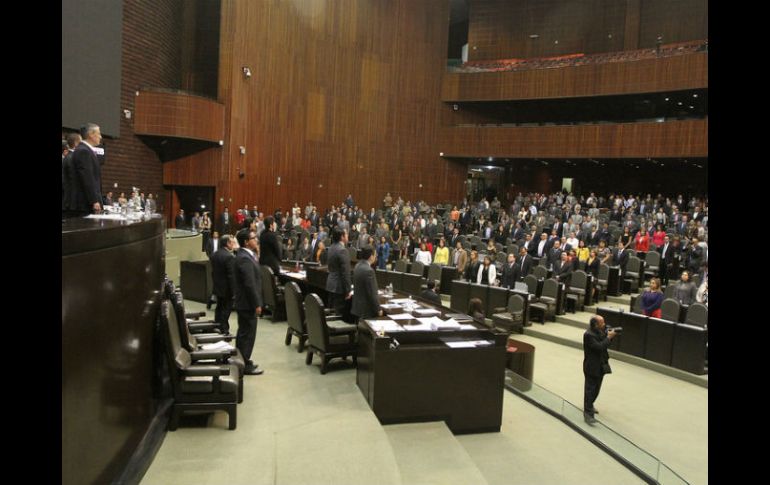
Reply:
x=442 y=253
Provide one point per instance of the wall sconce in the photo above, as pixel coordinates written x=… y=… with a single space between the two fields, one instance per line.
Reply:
x=127 y=113
x=278 y=182
x=246 y=72
x=242 y=149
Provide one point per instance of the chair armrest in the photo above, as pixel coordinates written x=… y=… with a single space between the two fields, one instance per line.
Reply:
x=500 y=309
x=195 y=315
x=202 y=326
x=208 y=338
x=207 y=370
x=338 y=328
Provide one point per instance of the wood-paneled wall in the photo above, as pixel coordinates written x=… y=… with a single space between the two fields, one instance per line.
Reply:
x=622 y=140
x=344 y=98
x=500 y=29
x=182 y=115
x=687 y=71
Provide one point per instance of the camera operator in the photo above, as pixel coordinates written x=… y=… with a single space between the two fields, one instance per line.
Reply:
x=596 y=340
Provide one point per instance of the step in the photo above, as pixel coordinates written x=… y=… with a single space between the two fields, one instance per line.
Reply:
x=429 y=454
x=622 y=299
x=572 y=336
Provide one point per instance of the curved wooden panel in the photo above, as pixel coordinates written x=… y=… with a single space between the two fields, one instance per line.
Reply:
x=179 y=115
x=644 y=76
x=621 y=140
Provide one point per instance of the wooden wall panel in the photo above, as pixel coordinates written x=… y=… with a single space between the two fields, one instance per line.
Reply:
x=344 y=98
x=500 y=29
x=624 y=140
x=687 y=71
x=181 y=115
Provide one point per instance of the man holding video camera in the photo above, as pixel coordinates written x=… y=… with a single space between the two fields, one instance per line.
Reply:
x=596 y=340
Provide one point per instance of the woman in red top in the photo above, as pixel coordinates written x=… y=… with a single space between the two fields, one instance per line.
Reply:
x=642 y=241
x=659 y=236
x=305 y=223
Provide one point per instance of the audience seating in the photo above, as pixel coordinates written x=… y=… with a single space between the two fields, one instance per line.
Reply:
x=670 y=310
x=697 y=314
x=295 y=315
x=512 y=319
x=324 y=340
x=578 y=286
x=272 y=296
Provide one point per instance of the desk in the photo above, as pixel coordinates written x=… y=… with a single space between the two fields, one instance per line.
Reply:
x=423 y=379
x=521 y=358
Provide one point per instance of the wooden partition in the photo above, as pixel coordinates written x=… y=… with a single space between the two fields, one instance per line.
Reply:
x=618 y=140
x=177 y=114
x=687 y=71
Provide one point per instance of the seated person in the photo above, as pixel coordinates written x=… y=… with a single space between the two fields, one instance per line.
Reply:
x=430 y=293
x=476 y=310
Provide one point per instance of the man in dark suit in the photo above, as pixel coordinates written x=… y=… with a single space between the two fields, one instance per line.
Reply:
x=562 y=270
x=365 y=302
x=86 y=194
x=222 y=275
x=213 y=244
x=68 y=171
x=338 y=283
x=510 y=272
x=430 y=293
x=554 y=255
x=225 y=222
x=179 y=220
x=595 y=363
x=620 y=258
x=270 y=251
x=248 y=296
x=524 y=264
x=668 y=254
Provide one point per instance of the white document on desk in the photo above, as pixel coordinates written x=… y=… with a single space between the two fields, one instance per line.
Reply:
x=221 y=345
x=402 y=300
x=384 y=326
x=460 y=345
x=401 y=316
x=466 y=326
x=424 y=312
x=420 y=326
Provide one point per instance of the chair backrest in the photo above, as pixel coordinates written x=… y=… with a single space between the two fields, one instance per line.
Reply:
x=515 y=304
x=411 y=283
x=179 y=358
x=634 y=264
x=317 y=331
x=652 y=260
x=551 y=288
x=268 y=285
x=540 y=271
x=604 y=272
x=434 y=272
x=501 y=257
x=697 y=314
x=417 y=268
x=459 y=295
x=669 y=310
x=670 y=291
x=637 y=306
x=295 y=314
x=531 y=281
x=497 y=297
x=579 y=279
x=383 y=278
x=401 y=266
x=187 y=340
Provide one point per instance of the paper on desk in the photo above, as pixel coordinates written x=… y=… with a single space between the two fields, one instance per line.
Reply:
x=402 y=300
x=460 y=345
x=421 y=326
x=467 y=326
x=401 y=316
x=221 y=345
x=292 y=274
x=427 y=311
x=113 y=217
x=384 y=326
x=450 y=324
x=390 y=306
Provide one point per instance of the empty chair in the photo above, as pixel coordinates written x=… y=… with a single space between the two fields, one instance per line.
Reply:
x=324 y=341
x=434 y=272
x=295 y=315
x=272 y=295
x=697 y=314
x=513 y=318
x=196 y=387
x=531 y=282
x=549 y=296
x=633 y=273
x=670 y=291
x=577 y=286
x=497 y=299
x=669 y=310
x=417 y=268
x=652 y=263
x=540 y=272
x=401 y=266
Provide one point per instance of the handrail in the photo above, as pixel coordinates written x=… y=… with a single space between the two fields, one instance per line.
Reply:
x=637 y=460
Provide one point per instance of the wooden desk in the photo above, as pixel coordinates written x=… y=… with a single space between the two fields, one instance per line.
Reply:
x=413 y=376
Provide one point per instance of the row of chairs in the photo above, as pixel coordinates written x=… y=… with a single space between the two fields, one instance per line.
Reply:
x=695 y=314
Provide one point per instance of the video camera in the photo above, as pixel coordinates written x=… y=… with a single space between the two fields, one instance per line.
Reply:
x=618 y=330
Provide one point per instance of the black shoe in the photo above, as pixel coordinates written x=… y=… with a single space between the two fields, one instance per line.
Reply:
x=589 y=418
x=593 y=411
x=253 y=371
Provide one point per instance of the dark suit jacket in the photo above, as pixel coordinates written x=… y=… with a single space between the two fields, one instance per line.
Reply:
x=511 y=274
x=526 y=266
x=595 y=345
x=222 y=273
x=431 y=296
x=554 y=256
x=248 y=282
x=563 y=271
x=621 y=260
x=338 y=261
x=87 y=183
x=365 y=302
x=270 y=251
x=67 y=180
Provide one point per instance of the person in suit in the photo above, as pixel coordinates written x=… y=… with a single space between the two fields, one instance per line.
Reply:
x=304 y=251
x=270 y=252
x=472 y=267
x=225 y=222
x=248 y=296
x=460 y=257
x=365 y=302
x=68 y=171
x=510 y=272
x=86 y=184
x=430 y=293
x=223 y=277
x=525 y=263
x=620 y=257
x=213 y=244
x=338 y=283
x=179 y=220
x=562 y=270
x=554 y=255
x=596 y=341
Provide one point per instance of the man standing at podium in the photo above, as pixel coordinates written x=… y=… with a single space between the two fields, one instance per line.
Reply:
x=596 y=340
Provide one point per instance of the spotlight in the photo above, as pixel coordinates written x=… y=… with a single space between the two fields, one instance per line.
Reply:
x=246 y=72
